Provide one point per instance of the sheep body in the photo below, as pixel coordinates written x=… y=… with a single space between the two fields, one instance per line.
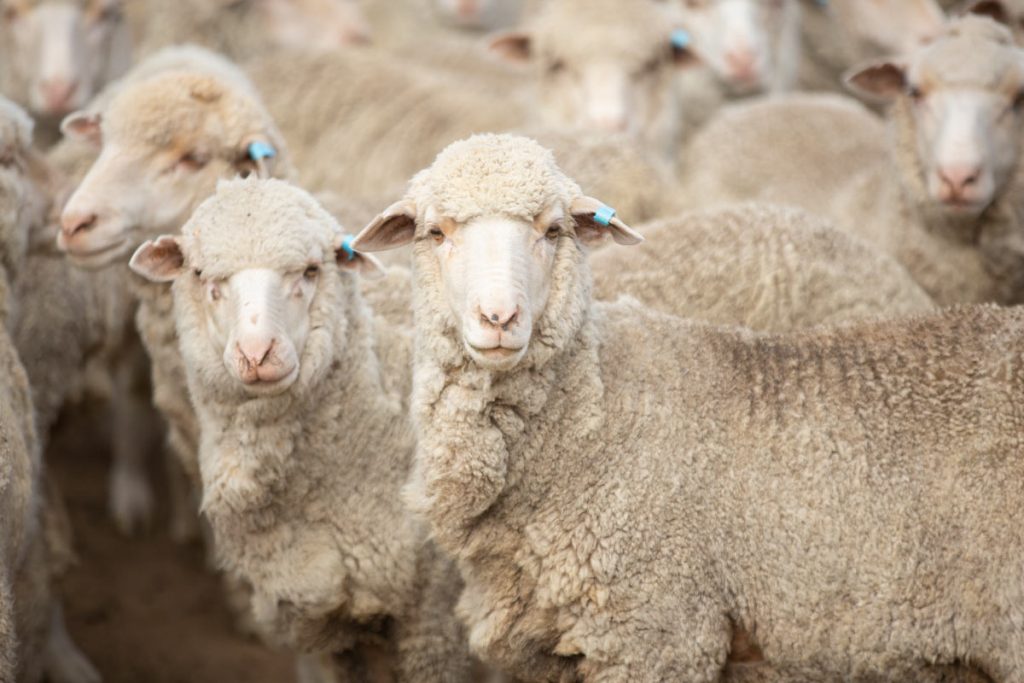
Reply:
x=639 y=486
x=316 y=527
x=769 y=268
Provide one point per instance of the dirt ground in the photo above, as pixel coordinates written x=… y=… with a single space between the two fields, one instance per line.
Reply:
x=145 y=610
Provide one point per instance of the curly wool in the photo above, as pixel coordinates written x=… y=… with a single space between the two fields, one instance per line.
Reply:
x=302 y=489
x=769 y=268
x=603 y=536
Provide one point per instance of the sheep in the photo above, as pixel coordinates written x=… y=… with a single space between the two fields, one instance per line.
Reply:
x=56 y=54
x=33 y=638
x=1009 y=12
x=839 y=34
x=585 y=463
x=769 y=268
x=285 y=362
x=942 y=198
x=746 y=47
x=604 y=65
x=242 y=29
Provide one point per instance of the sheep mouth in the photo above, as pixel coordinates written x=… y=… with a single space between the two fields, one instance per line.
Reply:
x=263 y=387
x=496 y=357
x=96 y=256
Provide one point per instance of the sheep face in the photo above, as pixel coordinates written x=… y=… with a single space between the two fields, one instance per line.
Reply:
x=479 y=14
x=614 y=74
x=963 y=98
x=883 y=27
x=315 y=24
x=60 y=52
x=251 y=266
x=744 y=41
x=165 y=144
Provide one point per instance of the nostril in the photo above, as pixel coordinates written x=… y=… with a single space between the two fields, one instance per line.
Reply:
x=74 y=224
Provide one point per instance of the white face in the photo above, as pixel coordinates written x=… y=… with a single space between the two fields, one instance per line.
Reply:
x=60 y=50
x=885 y=27
x=967 y=143
x=315 y=24
x=480 y=14
x=497 y=277
x=131 y=192
x=740 y=40
x=259 y=320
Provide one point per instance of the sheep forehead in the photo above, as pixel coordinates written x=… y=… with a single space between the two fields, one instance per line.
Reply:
x=967 y=60
x=171 y=109
x=250 y=223
x=580 y=30
x=491 y=175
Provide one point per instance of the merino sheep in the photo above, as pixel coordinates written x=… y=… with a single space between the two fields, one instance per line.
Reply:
x=244 y=28
x=305 y=436
x=33 y=639
x=943 y=199
x=769 y=268
x=838 y=34
x=604 y=65
x=56 y=54
x=603 y=537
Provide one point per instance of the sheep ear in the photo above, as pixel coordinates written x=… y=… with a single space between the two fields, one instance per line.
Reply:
x=880 y=80
x=681 y=45
x=594 y=220
x=993 y=9
x=159 y=260
x=366 y=265
x=394 y=228
x=81 y=125
x=511 y=46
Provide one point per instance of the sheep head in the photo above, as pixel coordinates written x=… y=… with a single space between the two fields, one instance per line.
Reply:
x=494 y=220
x=165 y=142
x=479 y=14
x=59 y=53
x=603 y=65
x=960 y=103
x=314 y=24
x=751 y=45
x=249 y=269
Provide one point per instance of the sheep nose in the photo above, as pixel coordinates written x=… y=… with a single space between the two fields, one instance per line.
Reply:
x=467 y=9
x=256 y=351
x=610 y=122
x=958 y=178
x=742 y=64
x=73 y=223
x=57 y=93
x=498 y=317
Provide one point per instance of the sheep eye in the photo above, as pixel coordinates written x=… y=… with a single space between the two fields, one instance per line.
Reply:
x=437 y=234
x=553 y=232
x=557 y=66
x=914 y=93
x=311 y=272
x=193 y=161
x=198 y=273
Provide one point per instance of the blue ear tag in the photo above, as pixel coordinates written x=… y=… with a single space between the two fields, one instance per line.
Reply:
x=681 y=39
x=346 y=246
x=260 y=150
x=604 y=215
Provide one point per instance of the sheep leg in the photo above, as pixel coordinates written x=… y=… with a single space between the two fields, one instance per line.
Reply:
x=62 y=660
x=131 y=495
x=8 y=644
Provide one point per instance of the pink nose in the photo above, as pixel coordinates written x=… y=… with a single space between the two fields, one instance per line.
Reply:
x=467 y=9
x=613 y=123
x=957 y=179
x=256 y=352
x=57 y=93
x=742 y=64
x=73 y=223
x=498 y=317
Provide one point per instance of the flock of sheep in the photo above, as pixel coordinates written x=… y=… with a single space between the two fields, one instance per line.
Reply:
x=748 y=447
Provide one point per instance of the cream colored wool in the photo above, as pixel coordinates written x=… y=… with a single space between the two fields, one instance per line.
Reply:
x=387 y=122
x=834 y=472
x=769 y=268
x=302 y=488
x=788 y=151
